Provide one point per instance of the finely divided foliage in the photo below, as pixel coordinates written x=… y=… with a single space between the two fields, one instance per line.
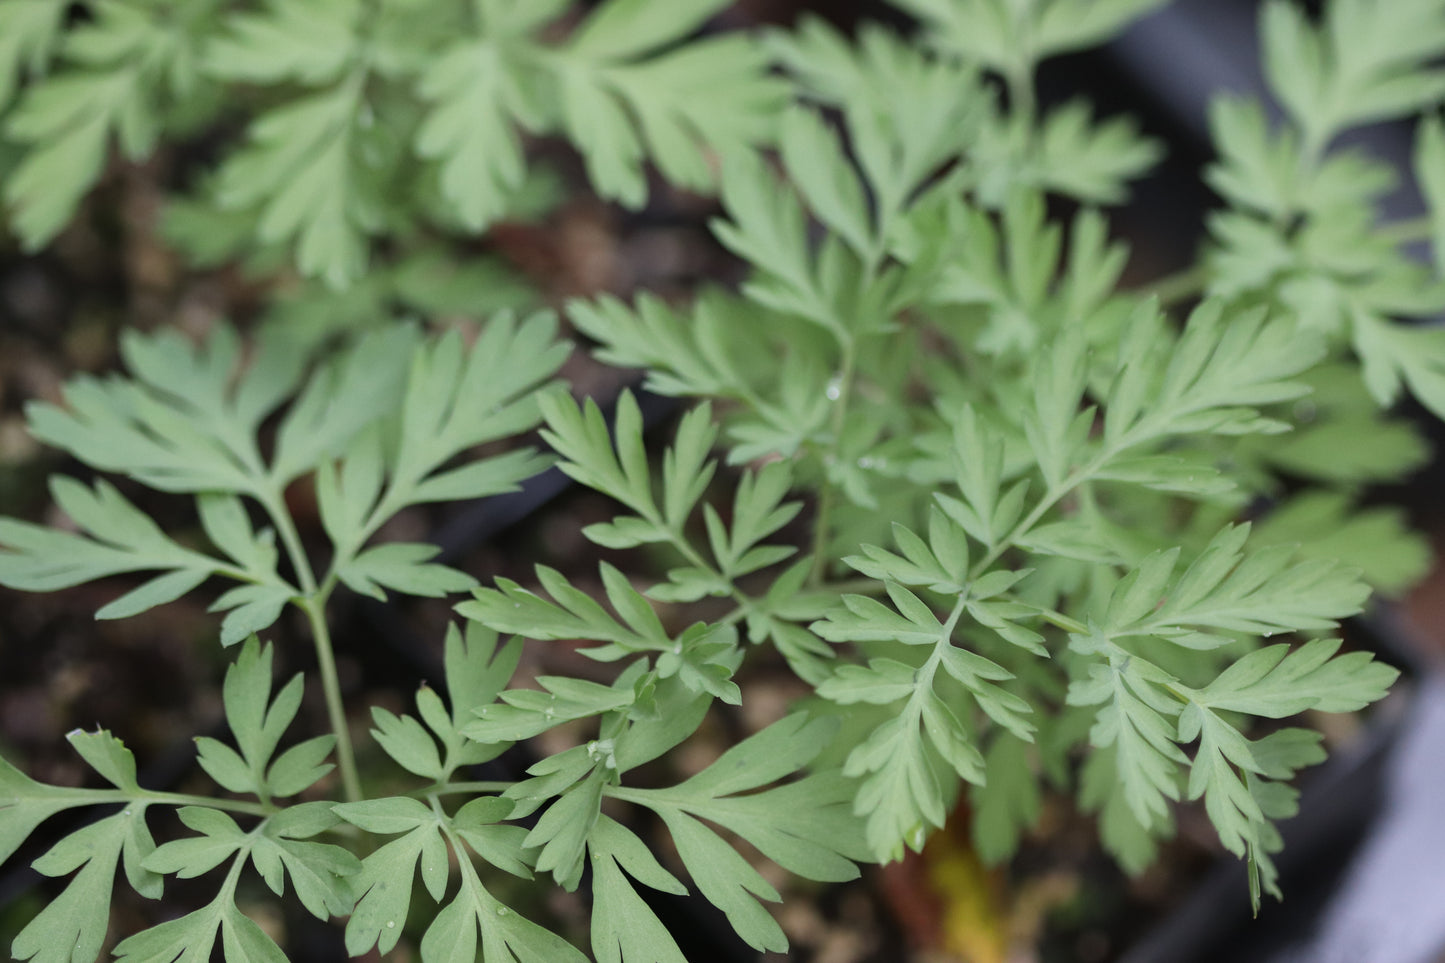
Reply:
x=338 y=86
x=986 y=505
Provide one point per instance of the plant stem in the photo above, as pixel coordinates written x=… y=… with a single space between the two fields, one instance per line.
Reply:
x=1180 y=286
x=274 y=503
x=855 y=586
x=315 y=608
x=472 y=788
x=1023 y=106
x=1407 y=230
x=101 y=797
x=844 y=386
x=1062 y=621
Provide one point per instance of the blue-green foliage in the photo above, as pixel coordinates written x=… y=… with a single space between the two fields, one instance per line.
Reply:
x=986 y=504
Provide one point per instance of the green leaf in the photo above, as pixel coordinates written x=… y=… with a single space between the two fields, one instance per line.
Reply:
x=229 y=529
x=1132 y=843
x=758 y=512
x=624 y=28
x=610 y=89
x=404 y=739
x=473 y=90
x=524 y=713
x=940 y=563
x=1355 y=67
x=831 y=190
x=805 y=826
x=1326 y=525
x=108 y=756
x=624 y=927
x=342 y=398
x=192 y=938
x=1135 y=723
x=767 y=227
x=1257 y=170
x=674 y=108
x=908 y=113
x=299 y=767
x=514 y=609
x=505 y=934
x=188 y=423
x=1056 y=429
x=705 y=658
x=250 y=609
x=193 y=856
x=1221 y=369
x=258 y=723
x=319 y=871
x=581 y=437
x=1006 y=37
x=28 y=33
x=685 y=468
x=311 y=45
x=300 y=171
x=726 y=880
x=1092 y=162
x=690 y=353
x=25 y=804
x=1229 y=770
x=454 y=399
x=125 y=67
x=458 y=399
x=403 y=567
x=384 y=884
x=1343 y=436
x=476 y=671
x=1393 y=353
x=1226 y=589
x=1008 y=801
x=865 y=620
x=881 y=682
x=1274 y=682
x=479 y=822
x=121 y=539
x=978 y=452
x=72 y=927
x=678 y=712
x=909 y=760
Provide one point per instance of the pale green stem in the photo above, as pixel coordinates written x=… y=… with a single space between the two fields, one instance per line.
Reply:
x=471 y=882
x=1060 y=620
x=1180 y=286
x=101 y=797
x=826 y=496
x=227 y=892
x=315 y=609
x=855 y=586
x=470 y=788
x=1407 y=230
x=274 y=503
x=313 y=603
x=1022 y=104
